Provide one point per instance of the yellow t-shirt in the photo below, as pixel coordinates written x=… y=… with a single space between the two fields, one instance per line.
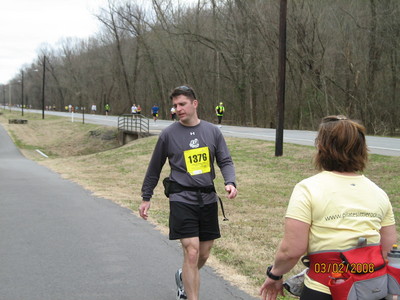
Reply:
x=339 y=209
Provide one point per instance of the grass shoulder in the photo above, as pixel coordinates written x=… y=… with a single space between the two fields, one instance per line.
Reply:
x=265 y=182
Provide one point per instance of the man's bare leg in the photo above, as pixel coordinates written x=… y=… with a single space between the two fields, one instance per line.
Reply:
x=190 y=270
x=195 y=255
x=205 y=249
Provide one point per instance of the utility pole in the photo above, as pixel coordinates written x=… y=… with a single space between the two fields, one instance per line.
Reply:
x=4 y=96
x=43 y=84
x=281 y=75
x=9 y=96
x=22 y=92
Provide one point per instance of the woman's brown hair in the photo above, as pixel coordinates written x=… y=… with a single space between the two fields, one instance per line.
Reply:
x=341 y=145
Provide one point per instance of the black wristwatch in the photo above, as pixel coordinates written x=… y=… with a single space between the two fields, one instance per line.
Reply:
x=272 y=276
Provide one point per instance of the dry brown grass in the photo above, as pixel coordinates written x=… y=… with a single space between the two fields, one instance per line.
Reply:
x=249 y=238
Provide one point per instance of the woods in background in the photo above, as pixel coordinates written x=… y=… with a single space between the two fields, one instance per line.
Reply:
x=342 y=58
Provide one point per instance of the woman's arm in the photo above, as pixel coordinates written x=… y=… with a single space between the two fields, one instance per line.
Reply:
x=293 y=245
x=388 y=238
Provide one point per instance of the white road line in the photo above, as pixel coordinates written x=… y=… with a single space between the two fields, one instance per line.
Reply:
x=41 y=153
x=382 y=148
x=293 y=139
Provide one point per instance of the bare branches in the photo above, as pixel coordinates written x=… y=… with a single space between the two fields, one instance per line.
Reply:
x=342 y=56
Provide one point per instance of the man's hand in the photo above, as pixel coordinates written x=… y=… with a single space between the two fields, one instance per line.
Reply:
x=232 y=191
x=144 y=208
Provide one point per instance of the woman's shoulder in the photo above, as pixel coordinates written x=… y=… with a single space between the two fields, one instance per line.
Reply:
x=313 y=178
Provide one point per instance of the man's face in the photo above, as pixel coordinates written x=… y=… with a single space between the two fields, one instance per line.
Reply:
x=185 y=108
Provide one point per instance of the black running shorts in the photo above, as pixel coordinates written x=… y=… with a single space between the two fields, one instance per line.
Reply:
x=186 y=220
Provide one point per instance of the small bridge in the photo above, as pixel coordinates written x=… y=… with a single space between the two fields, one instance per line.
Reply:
x=132 y=127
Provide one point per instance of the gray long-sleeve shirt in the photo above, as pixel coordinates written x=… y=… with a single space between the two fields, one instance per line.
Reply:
x=191 y=152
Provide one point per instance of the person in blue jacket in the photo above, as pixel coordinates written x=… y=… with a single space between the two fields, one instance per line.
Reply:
x=154 y=112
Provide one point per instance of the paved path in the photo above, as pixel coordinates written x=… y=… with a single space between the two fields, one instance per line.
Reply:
x=57 y=241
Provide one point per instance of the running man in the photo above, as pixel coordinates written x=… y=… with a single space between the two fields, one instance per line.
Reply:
x=107 y=108
x=173 y=114
x=134 y=109
x=154 y=112
x=191 y=146
x=219 y=110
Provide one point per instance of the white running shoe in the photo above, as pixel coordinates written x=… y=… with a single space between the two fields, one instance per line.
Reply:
x=179 y=284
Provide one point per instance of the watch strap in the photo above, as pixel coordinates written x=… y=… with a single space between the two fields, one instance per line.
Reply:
x=272 y=276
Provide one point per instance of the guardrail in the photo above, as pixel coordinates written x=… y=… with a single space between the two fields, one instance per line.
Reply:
x=134 y=123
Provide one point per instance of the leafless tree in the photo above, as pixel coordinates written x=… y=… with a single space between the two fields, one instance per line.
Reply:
x=342 y=57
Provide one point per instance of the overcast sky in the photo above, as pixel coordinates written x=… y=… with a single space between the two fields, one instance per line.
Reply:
x=27 y=24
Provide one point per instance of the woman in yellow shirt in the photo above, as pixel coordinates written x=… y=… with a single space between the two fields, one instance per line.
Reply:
x=330 y=211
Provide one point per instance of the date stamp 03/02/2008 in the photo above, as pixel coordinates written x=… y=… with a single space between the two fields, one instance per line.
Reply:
x=344 y=268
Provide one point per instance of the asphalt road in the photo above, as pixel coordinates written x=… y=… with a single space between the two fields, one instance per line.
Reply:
x=377 y=145
x=57 y=241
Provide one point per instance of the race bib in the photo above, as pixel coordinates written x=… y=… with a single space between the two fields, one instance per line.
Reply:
x=197 y=160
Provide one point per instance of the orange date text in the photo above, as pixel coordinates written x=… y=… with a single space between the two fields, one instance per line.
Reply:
x=344 y=268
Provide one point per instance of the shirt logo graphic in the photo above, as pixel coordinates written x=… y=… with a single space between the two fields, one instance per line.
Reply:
x=192 y=133
x=194 y=143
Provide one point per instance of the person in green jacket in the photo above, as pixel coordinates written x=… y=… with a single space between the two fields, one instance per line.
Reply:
x=219 y=110
x=107 y=108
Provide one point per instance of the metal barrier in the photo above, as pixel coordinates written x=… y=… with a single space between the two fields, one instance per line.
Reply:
x=134 y=123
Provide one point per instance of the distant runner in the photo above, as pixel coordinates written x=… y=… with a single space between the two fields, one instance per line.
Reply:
x=219 y=110
x=154 y=112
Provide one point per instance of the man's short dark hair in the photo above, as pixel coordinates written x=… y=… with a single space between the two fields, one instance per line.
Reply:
x=183 y=90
